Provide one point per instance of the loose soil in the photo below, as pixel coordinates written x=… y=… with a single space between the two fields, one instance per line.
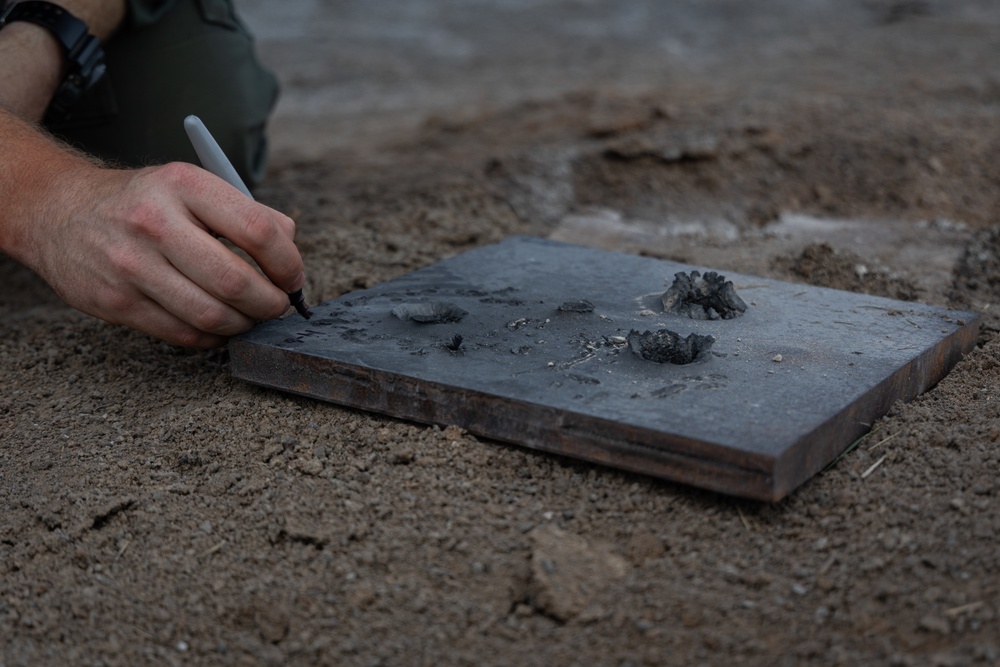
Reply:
x=156 y=511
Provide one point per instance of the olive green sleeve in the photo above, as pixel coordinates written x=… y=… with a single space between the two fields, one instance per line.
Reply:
x=173 y=58
x=141 y=13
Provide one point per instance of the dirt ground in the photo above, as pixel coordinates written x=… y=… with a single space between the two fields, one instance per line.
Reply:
x=158 y=512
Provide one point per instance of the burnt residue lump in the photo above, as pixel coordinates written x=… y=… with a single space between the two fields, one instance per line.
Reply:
x=708 y=297
x=429 y=312
x=666 y=347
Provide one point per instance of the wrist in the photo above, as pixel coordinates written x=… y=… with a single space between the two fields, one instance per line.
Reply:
x=81 y=50
x=33 y=68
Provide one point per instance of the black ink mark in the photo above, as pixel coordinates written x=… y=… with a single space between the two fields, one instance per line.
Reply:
x=576 y=307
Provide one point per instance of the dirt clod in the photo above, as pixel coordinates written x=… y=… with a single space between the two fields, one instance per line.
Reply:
x=567 y=572
x=819 y=264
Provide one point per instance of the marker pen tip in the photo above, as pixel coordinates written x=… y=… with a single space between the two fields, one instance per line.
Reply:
x=298 y=302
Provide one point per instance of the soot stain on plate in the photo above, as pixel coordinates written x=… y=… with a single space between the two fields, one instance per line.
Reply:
x=429 y=312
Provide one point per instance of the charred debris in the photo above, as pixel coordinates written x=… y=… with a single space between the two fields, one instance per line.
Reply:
x=708 y=297
x=667 y=347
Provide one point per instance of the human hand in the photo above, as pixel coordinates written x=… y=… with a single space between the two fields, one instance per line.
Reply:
x=138 y=248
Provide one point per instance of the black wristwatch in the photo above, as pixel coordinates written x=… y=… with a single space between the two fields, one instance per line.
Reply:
x=82 y=50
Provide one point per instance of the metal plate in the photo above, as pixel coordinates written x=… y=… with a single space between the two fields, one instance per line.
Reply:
x=738 y=422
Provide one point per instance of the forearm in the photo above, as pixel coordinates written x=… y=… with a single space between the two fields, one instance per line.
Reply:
x=32 y=68
x=33 y=63
x=30 y=164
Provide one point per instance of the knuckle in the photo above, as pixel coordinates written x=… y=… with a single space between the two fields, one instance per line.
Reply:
x=126 y=265
x=115 y=305
x=260 y=229
x=286 y=224
x=180 y=174
x=146 y=219
x=213 y=318
x=232 y=284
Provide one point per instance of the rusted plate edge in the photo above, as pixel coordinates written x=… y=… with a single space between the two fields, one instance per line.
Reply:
x=584 y=437
x=816 y=450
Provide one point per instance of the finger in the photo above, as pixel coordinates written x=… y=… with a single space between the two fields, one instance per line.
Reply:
x=223 y=276
x=149 y=317
x=159 y=323
x=184 y=299
x=263 y=233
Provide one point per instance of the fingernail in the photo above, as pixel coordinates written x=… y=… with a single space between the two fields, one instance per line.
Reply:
x=299 y=281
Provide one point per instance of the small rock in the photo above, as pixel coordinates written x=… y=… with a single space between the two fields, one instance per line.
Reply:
x=822 y=614
x=777 y=358
x=309 y=466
